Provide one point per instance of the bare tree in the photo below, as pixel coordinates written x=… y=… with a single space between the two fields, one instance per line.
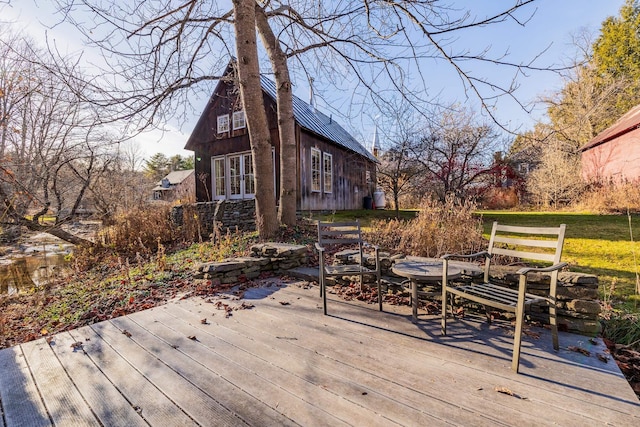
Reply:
x=158 y=54
x=557 y=179
x=398 y=170
x=455 y=154
x=51 y=146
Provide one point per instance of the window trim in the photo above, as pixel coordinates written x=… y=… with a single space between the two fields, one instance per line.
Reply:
x=244 y=121
x=329 y=157
x=223 y=119
x=214 y=169
x=316 y=172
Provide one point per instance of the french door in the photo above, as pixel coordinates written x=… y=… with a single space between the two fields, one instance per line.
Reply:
x=233 y=177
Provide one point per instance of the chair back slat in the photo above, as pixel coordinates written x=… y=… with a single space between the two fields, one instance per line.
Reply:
x=532 y=243
x=524 y=255
x=339 y=233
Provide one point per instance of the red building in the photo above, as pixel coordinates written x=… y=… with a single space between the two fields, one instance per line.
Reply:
x=614 y=154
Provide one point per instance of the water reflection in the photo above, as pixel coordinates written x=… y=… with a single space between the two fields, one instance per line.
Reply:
x=28 y=272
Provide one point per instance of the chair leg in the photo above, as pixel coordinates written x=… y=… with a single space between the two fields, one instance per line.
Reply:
x=554 y=325
x=379 y=290
x=323 y=292
x=444 y=309
x=517 y=339
x=515 y=361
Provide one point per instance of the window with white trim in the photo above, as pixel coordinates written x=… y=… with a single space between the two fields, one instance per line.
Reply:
x=315 y=170
x=219 y=183
x=223 y=123
x=238 y=120
x=327 y=172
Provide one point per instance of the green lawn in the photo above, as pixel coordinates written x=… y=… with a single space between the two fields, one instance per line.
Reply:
x=595 y=244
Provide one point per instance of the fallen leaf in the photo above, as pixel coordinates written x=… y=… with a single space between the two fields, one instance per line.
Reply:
x=506 y=391
x=76 y=345
x=602 y=357
x=204 y=321
x=192 y=338
x=127 y=333
x=579 y=350
x=593 y=341
x=284 y=303
x=44 y=331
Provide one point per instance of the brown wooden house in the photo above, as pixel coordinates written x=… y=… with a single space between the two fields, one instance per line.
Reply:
x=335 y=172
x=614 y=154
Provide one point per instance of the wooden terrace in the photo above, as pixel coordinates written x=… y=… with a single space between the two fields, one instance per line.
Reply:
x=283 y=363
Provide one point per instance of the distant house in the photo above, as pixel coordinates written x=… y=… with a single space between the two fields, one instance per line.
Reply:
x=614 y=154
x=177 y=186
x=334 y=171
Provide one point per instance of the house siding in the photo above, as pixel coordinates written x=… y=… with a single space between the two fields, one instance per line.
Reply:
x=617 y=160
x=349 y=178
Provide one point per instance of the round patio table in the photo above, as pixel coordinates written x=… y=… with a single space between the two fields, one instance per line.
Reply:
x=428 y=270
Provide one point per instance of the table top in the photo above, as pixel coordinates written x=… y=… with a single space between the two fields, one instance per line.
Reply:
x=424 y=270
x=430 y=269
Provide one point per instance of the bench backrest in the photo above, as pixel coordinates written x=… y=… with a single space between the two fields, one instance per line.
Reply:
x=339 y=233
x=527 y=243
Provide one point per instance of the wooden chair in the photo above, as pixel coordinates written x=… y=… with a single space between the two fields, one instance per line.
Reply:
x=523 y=243
x=344 y=233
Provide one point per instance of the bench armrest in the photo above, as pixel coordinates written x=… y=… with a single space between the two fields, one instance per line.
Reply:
x=549 y=269
x=319 y=248
x=475 y=255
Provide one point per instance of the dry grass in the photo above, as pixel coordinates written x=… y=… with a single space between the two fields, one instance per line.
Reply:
x=609 y=198
x=439 y=228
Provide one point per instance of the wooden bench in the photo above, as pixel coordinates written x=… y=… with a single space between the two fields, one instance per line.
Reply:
x=522 y=244
x=344 y=234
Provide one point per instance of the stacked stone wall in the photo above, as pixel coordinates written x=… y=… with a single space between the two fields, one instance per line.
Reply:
x=221 y=215
x=265 y=257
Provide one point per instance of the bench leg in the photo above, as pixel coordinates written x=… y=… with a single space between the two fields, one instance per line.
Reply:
x=444 y=310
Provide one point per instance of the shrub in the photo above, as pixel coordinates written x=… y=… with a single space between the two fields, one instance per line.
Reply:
x=439 y=228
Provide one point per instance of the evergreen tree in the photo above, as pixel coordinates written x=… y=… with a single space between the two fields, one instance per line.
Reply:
x=616 y=57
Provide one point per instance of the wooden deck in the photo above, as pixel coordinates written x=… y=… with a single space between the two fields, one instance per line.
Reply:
x=284 y=363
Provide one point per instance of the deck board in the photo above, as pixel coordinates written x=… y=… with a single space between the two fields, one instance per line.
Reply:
x=440 y=358
x=284 y=363
x=21 y=402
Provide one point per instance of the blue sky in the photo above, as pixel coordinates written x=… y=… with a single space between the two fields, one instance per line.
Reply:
x=551 y=26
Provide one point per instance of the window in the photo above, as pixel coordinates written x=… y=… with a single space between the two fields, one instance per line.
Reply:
x=235 y=177
x=315 y=170
x=223 y=123
x=249 y=180
x=219 y=181
x=238 y=120
x=327 y=172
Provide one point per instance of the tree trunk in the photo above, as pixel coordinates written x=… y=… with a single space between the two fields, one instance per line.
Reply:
x=248 y=70
x=286 y=123
x=56 y=231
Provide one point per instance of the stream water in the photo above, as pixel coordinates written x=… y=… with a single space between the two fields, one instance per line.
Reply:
x=24 y=273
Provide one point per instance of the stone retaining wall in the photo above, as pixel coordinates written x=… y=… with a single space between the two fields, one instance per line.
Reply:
x=222 y=214
x=265 y=257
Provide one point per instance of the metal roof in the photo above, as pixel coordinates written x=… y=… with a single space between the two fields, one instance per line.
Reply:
x=313 y=120
x=628 y=122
